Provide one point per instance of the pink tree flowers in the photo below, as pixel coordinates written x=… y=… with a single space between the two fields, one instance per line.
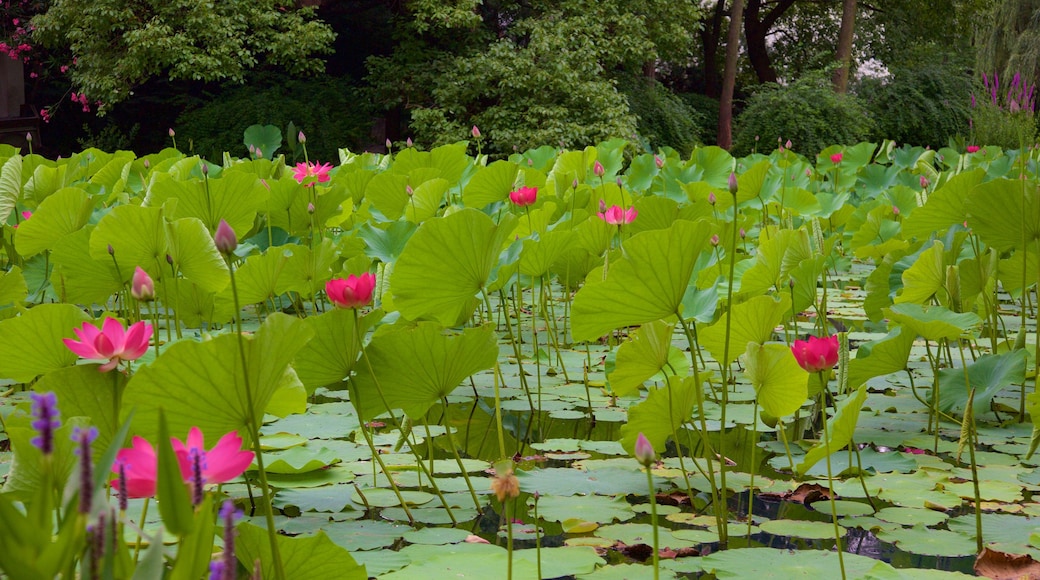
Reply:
x=111 y=342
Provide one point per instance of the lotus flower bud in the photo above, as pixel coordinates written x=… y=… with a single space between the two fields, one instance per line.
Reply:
x=225 y=238
x=658 y=162
x=733 y=186
x=715 y=240
x=142 y=287
x=711 y=197
x=597 y=169
x=171 y=132
x=644 y=451
x=301 y=138
x=475 y=131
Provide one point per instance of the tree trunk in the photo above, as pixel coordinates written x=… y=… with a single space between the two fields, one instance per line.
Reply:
x=757 y=27
x=729 y=77
x=710 y=40
x=843 y=54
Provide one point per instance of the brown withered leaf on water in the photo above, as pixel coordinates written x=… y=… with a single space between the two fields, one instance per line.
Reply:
x=805 y=494
x=1003 y=566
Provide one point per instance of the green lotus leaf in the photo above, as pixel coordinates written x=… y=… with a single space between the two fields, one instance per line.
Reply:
x=648 y=284
x=64 y=212
x=32 y=342
x=925 y=277
x=314 y=556
x=1003 y=214
x=881 y=357
x=840 y=429
x=386 y=243
x=933 y=322
x=258 y=277
x=753 y=321
x=781 y=385
x=646 y=353
x=446 y=264
x=200 y=384
x=10 y=186
x=195 y=255
x=945 y=206
x=490 y=184
x=330 y=359
x=661 y=414
x=425 y=200
x=308 y=269
x=77 y=276
x=539 y=255
x=987 y=375
x=13 y=289
x=136 y=236
x=435 y=364
x=266 y=138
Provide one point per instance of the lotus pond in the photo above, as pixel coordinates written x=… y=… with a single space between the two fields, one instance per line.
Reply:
x=444 y=366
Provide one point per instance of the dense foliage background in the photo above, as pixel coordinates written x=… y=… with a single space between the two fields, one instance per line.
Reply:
x=114 y=74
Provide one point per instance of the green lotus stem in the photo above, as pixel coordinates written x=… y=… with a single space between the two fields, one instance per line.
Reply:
x=537 y=537
x=754 y=467
x=458 y=459
x=721 y=509
x=653 y=519
x=140 y=527
x=379 y=460
x=787 y=447
x=551 y=325
x=675 y=437
x=971 y=449
x=254 y=428
x=498 y=412
x=386 y=405
x=509 y=536
x=830 y=488
x=516 y=347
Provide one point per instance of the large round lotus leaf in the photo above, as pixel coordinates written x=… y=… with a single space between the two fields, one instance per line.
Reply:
x=781 y=385
x=32 y=343
x=302 y=556
x=592 y=508
x=648 y=284
x=773 y=563
x=923 y=540
x=801 y=529
x=460 y=561
x=64 y=212
x=328 y=498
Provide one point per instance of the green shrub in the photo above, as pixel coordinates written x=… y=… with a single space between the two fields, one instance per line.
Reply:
x=707 y=118
x=663 y=118
x=925 y=105
x=808 y=112
x=328 y=110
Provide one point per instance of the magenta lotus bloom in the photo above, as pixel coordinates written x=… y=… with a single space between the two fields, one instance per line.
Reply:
x=972 y=149
x=836 y=158
x=140 y=462
x=816 y=354
x=524 y=196
x=644 y=451
x=352 y=291
x=111 y=342
x=618 y=215
x=140 y=467
x=311 y=172
x=224 y=462
x=142 y=287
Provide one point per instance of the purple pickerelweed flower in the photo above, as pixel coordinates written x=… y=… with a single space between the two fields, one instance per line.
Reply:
x=124 y=494
x=83 y=438
x=45 y=412
x=228 y=514
x=198 y=459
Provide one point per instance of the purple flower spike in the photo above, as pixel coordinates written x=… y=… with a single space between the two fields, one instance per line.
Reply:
x=83 y=439
x=229 y=515
x=45 y=411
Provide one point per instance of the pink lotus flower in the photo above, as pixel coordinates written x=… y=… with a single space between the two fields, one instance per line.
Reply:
x=524 y=196
x=597 y=169
x=351 y=292
x=836 y=158
x=972 y=148
x=618 y=215
x=111 y=342
x=142 y=287
x=224 y=462
x=140 y=468
x=308 y=173
x=816 y=354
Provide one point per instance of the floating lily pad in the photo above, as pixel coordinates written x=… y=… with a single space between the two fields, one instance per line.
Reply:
x=801 y=529
x=922 y=540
